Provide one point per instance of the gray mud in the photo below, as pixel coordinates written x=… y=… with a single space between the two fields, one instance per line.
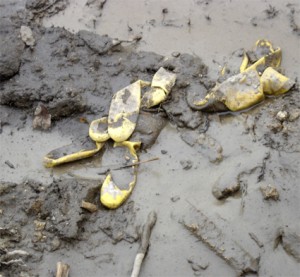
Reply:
x=219 y=163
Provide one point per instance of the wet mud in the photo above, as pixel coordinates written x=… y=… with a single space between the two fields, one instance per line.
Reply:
x=231 y=179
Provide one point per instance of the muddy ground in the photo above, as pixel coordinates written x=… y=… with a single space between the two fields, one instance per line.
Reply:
x=213 y=218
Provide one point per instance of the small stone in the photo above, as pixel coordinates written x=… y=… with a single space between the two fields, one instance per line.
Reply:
x=55 y=244
x=270 y=192
x=282 y=116
x=39 y=237
x=164 y=152
x=39 y=225
x=196 y=267
x=186 y=164
x=225 y=187
x=199 y=265
x=27 y=36
x=42 y=119
x=290 y=239
x=294 y=115
x=175 y=54
x=36 y=207
x=8 y=163
x=175 y=198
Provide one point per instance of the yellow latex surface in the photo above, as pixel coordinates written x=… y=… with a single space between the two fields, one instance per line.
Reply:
x=123 y=112
x=275 y=83
x=111 y=196
x=238 y=92
x=273 y=60
x=96 y=133
x=267 y=56
x=153 y=97
x=81 y=154
x=131 y=145
x=161 y=85
x=164 y=79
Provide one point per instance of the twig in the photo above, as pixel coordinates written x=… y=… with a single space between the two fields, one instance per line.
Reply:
x=88 y=206
x=137 y=163
x=62 y=270
x=116 y=167
x=147 y=228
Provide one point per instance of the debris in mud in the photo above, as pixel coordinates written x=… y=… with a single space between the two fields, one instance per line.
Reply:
x=270 y=192
x=175 y=54
x=9 y=164
x=88 y=206
x=3 y=123
x=175 y=198
x=119 y=125
x=186 y=164
x=144 y=244
x=9 y=236
x=6 y=187
x=282 y=116
x=289 y=237
x=124 y=111
x=27 y=36
x=197 y=265
x=14 y=258
x=255 y=238
x=225 y=247
x=42 y=118
x=97 y=3
x=294 y=114
x=42 y=8
x=161 y=85
x=62 y=269
x=225 y=187
x=271 y=12
x=293 y=24
x=94 y=8
x=258 y=77
x=80 y=149
x=39 y=225
x=113 y=195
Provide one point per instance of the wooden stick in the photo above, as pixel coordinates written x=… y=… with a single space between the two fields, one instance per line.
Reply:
x=62 y=270
x=145 y=238
x=138 y=163
x=88 y=206
x=117 y=167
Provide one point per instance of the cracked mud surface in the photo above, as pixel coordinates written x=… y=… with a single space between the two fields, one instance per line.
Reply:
x=216 y=163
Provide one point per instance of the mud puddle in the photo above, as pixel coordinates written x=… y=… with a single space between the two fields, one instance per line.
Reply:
x=198 y=154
